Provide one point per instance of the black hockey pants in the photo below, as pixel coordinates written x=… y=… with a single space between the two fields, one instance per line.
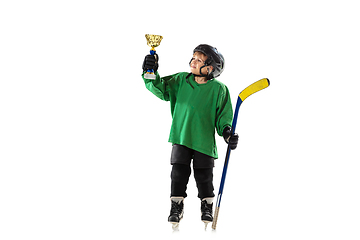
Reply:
x=203 y=172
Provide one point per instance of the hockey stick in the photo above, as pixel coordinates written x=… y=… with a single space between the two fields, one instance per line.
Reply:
x=253 y=88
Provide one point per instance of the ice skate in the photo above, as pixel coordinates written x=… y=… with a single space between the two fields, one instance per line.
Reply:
x=206 y=211
x=176 y=212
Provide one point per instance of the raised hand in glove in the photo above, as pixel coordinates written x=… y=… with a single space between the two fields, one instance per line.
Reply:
x=151 y=62
x=232 y=140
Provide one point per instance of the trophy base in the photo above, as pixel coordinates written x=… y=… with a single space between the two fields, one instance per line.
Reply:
x=150 y=76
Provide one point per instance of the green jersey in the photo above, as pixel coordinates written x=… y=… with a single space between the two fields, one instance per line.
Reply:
x=196 y=109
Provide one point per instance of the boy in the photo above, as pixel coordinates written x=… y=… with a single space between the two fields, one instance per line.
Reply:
x=199 y=105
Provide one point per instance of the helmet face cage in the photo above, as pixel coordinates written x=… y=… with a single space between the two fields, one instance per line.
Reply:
x=214 y=59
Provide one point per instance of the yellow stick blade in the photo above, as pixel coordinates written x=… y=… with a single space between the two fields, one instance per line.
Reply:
x=253 y=88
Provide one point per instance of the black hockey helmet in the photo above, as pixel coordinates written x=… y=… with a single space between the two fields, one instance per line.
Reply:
x=214 y=59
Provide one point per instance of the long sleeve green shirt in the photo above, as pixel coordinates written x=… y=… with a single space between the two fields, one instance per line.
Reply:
x=196 y=109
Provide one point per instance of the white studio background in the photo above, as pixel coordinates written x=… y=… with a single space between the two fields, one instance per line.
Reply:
x=83 y=144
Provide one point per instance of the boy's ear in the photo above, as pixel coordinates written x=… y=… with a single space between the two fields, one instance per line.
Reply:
x=210 y=69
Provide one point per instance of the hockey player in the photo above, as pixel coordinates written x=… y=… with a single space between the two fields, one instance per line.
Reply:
x=200 y=104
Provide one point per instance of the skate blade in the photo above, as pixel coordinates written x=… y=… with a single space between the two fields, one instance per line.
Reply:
x=175 y=226
x=206 y=224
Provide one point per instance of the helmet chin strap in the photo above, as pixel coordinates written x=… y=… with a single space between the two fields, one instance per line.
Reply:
x=203 y=75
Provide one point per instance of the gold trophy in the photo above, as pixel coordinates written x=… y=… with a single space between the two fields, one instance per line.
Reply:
x=153 y=41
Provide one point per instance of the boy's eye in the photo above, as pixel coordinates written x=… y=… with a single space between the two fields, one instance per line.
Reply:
x=198 y=60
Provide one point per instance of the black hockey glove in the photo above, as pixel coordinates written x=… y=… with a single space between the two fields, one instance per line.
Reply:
x=151 y=62
x=232 y=140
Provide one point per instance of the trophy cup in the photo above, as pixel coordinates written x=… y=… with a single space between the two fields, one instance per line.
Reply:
x=153 y=41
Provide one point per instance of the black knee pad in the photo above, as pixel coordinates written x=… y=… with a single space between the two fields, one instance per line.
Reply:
x=203 y=175
x=180 y=173
x=179 y=179
x=204 y=182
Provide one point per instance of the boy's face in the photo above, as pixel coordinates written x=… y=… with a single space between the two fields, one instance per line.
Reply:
x=197 y=62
